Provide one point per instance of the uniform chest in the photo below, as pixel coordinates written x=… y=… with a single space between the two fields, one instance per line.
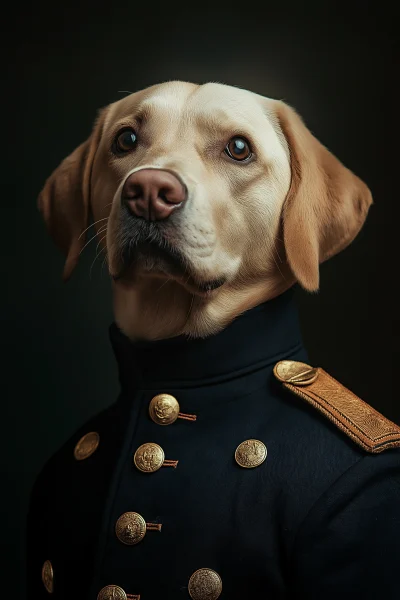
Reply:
x=174 y=494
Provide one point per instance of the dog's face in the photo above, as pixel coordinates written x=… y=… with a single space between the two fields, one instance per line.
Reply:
x=230 y=174
x=207 y=199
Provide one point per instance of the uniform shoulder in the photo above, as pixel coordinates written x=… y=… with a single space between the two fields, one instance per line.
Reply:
x=364 y=425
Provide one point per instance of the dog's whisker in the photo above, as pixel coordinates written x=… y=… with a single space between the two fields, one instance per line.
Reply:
x=93 y=238
x=87 y=243
x=103 y=228
x=99 y=232
x=97 y=255
x=95 y=258
x=162 y=285
x=92 y=225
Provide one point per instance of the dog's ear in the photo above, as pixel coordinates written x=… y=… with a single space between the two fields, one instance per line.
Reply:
x=326 y=205
x=65 y=198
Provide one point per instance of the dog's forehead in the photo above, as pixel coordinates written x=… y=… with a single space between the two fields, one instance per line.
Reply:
x=176 y=99
x=169 y=96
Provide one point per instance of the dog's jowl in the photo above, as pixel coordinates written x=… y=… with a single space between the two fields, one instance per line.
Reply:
x=228 y=467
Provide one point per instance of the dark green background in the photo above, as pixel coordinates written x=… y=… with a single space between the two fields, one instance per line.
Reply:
x=335 y=65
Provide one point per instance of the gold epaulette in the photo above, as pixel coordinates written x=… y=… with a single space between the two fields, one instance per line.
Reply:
x=357 y=419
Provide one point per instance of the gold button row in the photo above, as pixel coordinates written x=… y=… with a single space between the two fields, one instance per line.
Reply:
x=204 y=584
x=131 y=527
x=150 y=457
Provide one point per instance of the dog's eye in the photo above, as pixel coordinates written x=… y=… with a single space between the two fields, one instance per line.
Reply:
x=125 y=141
x=238 y=149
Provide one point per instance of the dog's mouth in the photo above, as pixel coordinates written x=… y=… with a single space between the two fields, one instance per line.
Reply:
x=155 y=256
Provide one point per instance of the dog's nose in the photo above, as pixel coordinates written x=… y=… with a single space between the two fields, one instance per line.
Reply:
x=153 y=194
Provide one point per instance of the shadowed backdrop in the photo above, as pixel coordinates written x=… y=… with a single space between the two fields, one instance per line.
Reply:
x=333 y=66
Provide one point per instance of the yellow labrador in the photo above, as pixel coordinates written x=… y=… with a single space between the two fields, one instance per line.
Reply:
x=208 y=200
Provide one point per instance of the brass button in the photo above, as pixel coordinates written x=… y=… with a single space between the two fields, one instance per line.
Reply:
x=112 y=592
x=149 y=457
x=87 y=445
x=48 y=576
x=130 y=528
x=297 y=373
x=205 y=584
x=250 y=454
x=164 y=409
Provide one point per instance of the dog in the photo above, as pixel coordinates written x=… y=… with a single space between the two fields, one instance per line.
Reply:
x=210 y=203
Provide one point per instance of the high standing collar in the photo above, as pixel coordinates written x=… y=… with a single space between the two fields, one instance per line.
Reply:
x=256 y=338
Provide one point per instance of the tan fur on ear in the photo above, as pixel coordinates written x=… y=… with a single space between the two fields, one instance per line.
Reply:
x=65 y=198
x=326 y=205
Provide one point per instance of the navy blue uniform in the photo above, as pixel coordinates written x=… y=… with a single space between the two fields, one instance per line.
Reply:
x=319 y=518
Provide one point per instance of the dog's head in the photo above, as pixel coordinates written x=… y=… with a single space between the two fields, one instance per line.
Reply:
x=210 y=197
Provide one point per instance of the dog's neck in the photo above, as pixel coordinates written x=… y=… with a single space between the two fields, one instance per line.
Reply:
x=262 y=335
x=156 y=310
